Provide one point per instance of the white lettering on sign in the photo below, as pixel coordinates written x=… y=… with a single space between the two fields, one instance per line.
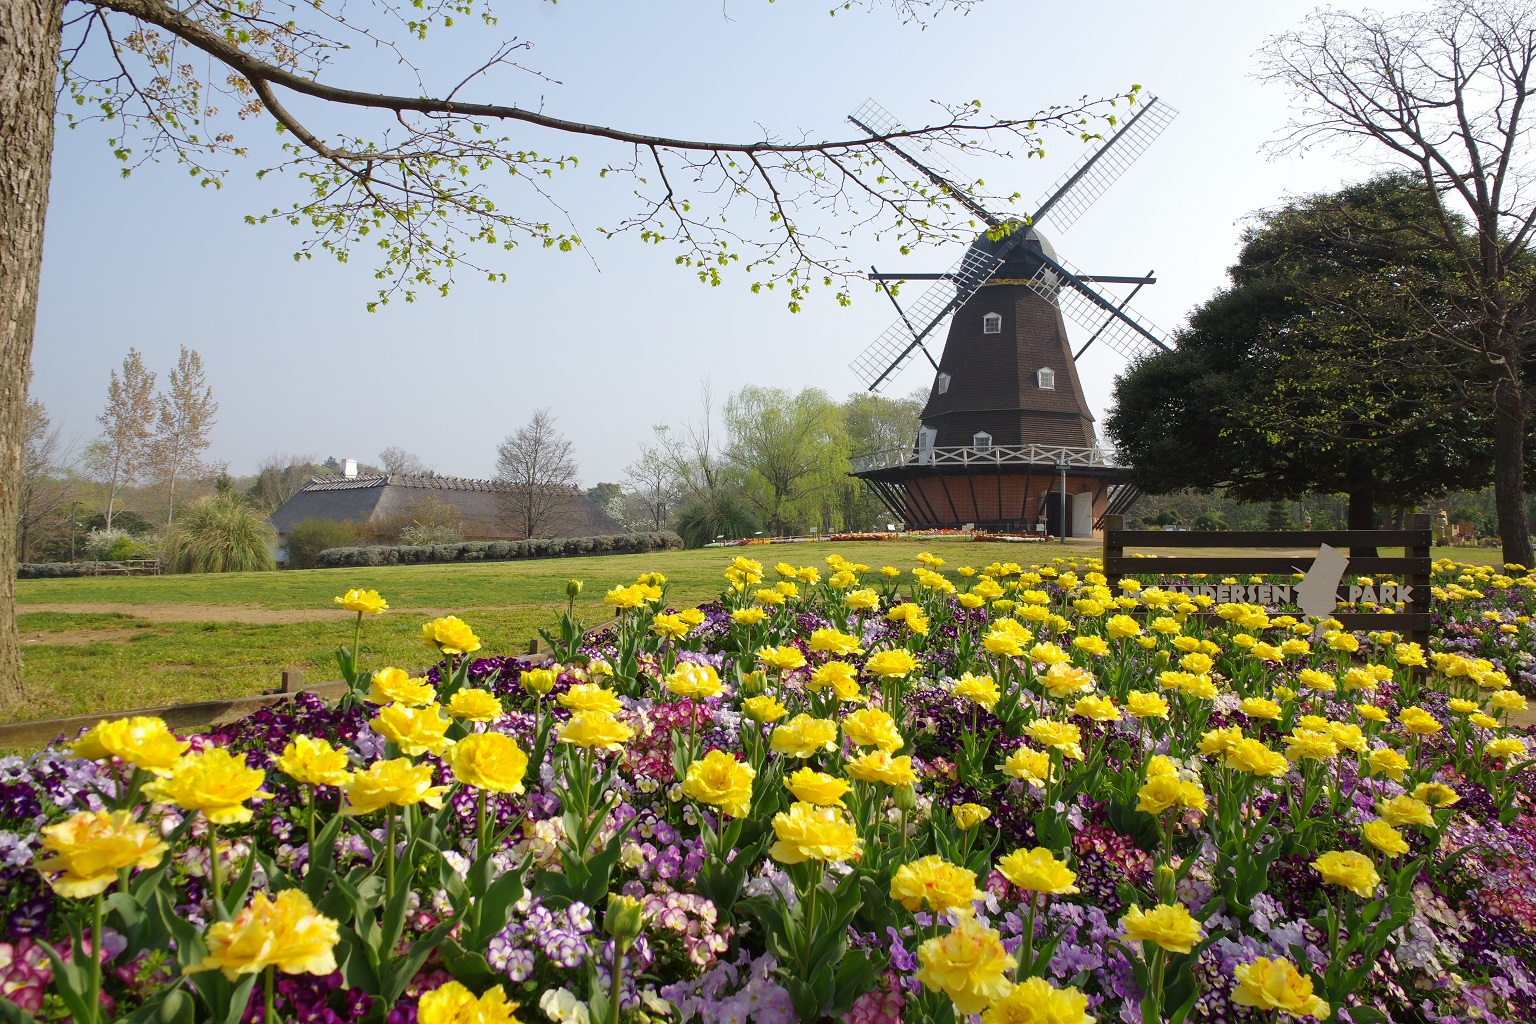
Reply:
x=1316 y=595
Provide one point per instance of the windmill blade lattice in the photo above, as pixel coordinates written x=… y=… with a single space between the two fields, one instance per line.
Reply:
x=886 y=356
x=1080 y=187
x=1111 y=323
x=879 y=121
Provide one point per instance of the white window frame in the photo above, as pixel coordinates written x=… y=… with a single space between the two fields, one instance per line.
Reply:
x=941 y=384
x=992 y=323
x=981 y=441
x=1045 y=379
x=926 y=436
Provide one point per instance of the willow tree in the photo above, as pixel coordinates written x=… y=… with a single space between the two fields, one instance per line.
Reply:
x=423 y=176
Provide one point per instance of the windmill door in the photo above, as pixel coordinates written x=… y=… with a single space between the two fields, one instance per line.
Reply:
x=1082 y=515
x=1051 y=513
x=1079 y=514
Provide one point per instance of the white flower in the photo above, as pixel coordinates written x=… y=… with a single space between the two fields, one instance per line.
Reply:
x=560 y=1006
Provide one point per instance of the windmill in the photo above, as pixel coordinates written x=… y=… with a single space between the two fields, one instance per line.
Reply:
x=1007 y=439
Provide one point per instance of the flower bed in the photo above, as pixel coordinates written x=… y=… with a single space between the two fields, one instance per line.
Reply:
x=858 y=794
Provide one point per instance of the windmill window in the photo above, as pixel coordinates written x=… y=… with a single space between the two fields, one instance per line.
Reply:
x=982 y=441
x=941 y=384
x=1045 y=378
x=992 y=323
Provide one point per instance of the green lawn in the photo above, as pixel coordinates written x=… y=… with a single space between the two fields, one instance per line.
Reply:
x=175 y=639
x=112 y=643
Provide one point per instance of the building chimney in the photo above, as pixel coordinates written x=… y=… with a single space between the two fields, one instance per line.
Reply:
x=349 y=468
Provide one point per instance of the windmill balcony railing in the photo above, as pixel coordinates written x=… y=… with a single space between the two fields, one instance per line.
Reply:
x=994 y=455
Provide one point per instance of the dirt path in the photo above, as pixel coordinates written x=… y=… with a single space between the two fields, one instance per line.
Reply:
x=192 y=612
x=225 y=612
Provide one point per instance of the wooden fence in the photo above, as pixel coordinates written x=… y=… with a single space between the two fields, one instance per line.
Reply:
x=1412 y=568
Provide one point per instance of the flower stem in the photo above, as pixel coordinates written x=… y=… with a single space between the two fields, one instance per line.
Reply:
x=1152 y=999
x=389 y=854
x=480 y=840
x=810 y=916
x=213 y=870
x=1027 y=947
x=616 y=983
x=311 y=823
x=693 y=725
x=95 y=992
x=357 y=633
x=269 y=993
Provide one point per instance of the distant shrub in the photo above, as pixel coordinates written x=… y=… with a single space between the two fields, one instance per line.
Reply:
x=496 y=550
x=64 y=570
x=114 y=545
x=439 y=533
x=309 y=537
x=220 y=533
x=724 y=513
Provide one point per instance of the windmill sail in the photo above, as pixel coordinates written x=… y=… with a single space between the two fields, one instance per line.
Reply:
x=1080 y=187
x=876 y=120
x=1118 y=327
x=883 y=359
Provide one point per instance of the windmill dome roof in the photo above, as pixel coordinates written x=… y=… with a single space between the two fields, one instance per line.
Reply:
x=1045 y=245
x=1018 y=246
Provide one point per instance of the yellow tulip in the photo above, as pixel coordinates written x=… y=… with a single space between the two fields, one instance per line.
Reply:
x=90 y=848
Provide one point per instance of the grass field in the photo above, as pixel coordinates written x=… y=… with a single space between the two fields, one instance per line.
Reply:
x=111 y=643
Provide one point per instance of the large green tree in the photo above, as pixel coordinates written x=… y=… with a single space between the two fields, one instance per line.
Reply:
x=1444 y=92
x=1312 y=370
x=409 y=162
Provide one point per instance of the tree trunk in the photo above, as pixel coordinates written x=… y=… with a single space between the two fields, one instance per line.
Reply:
x=29 y=60
x=1362 y=515
x=1509 y=424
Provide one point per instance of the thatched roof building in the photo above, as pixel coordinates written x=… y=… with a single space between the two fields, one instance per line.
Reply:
x=487 y=508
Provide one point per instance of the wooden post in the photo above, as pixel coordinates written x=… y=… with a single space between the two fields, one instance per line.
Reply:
x=533 y=646
x=1112 y=549
x=1419 y=581
x=293 y=680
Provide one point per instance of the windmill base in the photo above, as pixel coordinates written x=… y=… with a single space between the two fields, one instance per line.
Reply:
x=1010 y=497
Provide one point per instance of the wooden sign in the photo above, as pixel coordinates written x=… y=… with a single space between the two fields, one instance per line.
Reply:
x=1316 y=595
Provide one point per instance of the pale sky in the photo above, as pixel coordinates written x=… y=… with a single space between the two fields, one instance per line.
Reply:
x=616 y=338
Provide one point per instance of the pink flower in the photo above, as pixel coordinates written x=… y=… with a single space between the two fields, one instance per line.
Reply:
x=882 y=1006
x=24 y=974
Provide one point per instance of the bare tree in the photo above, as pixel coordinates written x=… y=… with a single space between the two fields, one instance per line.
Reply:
x=697 y=465
x=44 y=456
x=1444 y=94
x=186 y=419
x=399 y=462
x=280 y=477
x=537 y=462
x=652 y=492
x=125 y=447
x=181 y=80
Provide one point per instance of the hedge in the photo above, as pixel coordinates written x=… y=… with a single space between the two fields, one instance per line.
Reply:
x=497 y=550
x=60 y=570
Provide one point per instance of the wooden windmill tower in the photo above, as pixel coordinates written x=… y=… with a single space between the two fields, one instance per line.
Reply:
x=1007 y=439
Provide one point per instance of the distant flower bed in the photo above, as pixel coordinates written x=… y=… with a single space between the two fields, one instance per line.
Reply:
x=840 y=793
